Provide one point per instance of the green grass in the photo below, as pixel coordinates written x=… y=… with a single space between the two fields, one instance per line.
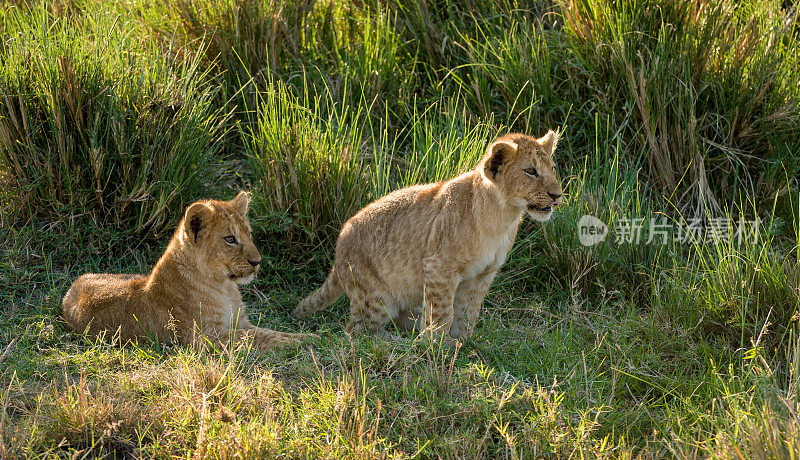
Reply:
x=80 y=131
x=114 y=115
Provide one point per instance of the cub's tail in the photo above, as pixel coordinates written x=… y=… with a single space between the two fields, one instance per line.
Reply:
x=321 y=298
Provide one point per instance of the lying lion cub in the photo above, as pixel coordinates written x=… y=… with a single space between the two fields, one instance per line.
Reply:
x=195 y=284
x=439 y=245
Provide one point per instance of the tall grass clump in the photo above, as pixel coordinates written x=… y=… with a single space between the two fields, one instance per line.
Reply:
x=239 y=41
x=711 y=89
x=434 y=32
x=316 y=170
x=367 y=64
x=342 y=48
x=516 y=71
x=94 y=123
x=442 y=142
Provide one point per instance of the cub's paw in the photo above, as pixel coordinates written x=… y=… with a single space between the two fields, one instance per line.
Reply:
x=274 y=339
x=286 y=338
x=387 y=336
x=461 y=333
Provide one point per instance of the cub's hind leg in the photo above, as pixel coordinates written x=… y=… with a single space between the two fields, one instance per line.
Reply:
x=369 y=316
x=98 y=302
x=409 y=320
x=369 y=310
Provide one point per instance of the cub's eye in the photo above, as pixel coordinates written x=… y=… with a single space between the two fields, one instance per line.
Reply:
x=231 y=240
x=532 y=172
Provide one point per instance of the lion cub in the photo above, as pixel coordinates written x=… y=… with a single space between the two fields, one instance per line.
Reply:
x=434 y=249
x=195 y=284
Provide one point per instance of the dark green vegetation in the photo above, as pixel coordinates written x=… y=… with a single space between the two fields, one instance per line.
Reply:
x=115 y=115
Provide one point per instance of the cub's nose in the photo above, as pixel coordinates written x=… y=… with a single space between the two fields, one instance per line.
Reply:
x=254 y=262
x=554 y=195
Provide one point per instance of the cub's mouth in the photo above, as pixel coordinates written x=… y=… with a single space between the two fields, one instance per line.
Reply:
x=238 y=276
x=538 y=209
x=242 y=279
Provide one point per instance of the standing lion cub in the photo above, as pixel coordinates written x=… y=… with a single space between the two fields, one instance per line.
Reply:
x=194 y=287
x=439 y=246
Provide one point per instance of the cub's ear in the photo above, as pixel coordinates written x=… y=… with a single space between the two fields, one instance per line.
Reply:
x=498 y=154
x=549 y=141
x=241 y=202
x=196 y=220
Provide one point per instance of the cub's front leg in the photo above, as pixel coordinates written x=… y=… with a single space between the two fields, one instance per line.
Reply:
x=468 y=301
x=439 y=292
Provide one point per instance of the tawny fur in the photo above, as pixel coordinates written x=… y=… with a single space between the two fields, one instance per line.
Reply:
x=425 y=256
x=192 y=292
